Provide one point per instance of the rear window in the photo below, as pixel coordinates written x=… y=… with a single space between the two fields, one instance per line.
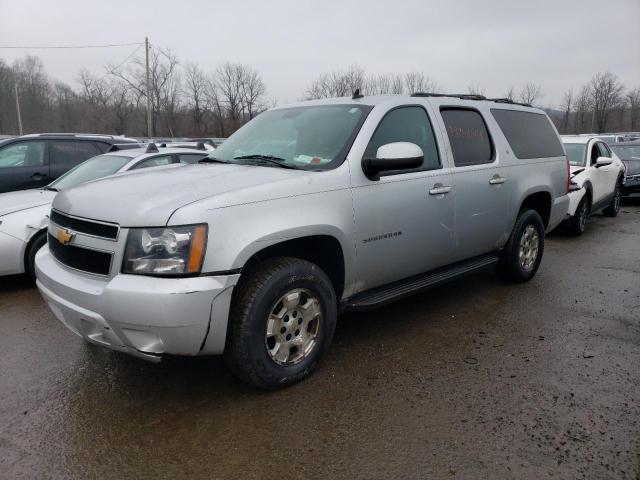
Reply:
x=529 y=134
x=468 y=136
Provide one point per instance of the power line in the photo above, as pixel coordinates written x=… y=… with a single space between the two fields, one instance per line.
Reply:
x=39 y=47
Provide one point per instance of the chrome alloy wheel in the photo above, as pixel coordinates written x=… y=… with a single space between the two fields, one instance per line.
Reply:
x=293 y=327
x=529 y=245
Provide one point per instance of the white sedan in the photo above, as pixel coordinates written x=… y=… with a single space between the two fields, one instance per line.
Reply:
x=24 y=214
x=597 y=176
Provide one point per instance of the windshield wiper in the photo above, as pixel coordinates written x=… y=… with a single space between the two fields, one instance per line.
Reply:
x=51 y=189
x=280 y=162
x=212 y=160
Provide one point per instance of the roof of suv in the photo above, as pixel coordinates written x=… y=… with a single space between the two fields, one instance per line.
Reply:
x=80 y=136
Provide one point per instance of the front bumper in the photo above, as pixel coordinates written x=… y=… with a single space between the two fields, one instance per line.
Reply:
x=143 y=316
x=575 y=197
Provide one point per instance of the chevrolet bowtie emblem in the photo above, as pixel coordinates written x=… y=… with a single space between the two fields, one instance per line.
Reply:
x=65 y=236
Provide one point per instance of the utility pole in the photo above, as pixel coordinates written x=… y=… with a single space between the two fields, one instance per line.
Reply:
x=149 y=120
x=15 y=88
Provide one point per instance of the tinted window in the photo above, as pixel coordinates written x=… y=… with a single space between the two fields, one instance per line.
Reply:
x=468 y=136
x=68 y=153
x=154 y=162
x=101 y=146
x=529 y=134
x=406 y=124
x=22 y=154
x=190 y=158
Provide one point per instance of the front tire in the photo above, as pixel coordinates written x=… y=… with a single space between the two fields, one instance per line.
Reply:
x=613 y=209
x=282 y=320
x=577 y=224
x=523 y=253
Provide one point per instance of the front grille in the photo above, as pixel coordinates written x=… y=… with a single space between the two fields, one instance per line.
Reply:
x=85 y=226
x=80 y=258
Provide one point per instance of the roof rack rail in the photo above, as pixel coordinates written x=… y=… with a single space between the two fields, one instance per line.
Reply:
x=509 y=101
x=462 y=96
x=116 y=147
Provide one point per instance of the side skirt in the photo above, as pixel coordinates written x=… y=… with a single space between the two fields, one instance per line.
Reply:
x=388 y=293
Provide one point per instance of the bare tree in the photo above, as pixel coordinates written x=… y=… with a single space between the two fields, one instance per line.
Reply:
x=567 y=103
x=633 y=101
x=195 y=84
x=476 y=89
x=530 y=93
x=606 y=93
x=252 y=92
x=511 y=94
x=164 y=85
x=337 y=83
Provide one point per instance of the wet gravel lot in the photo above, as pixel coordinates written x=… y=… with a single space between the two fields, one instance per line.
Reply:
x=476 y=379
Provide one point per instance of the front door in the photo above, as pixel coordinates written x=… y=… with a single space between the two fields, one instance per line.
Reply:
x=404 y=221
x=23 y=165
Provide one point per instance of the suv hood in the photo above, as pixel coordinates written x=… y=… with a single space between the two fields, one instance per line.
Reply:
x=148 y=198
x=16 y=201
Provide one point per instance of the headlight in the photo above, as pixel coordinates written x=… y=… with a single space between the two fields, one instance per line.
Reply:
x=167 y=251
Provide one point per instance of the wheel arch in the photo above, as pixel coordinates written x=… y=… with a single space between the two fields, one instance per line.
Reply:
x=322 y=249
x=37 y=235
x=541 y=202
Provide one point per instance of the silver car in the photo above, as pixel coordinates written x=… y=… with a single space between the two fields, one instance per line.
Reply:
x=307 y=210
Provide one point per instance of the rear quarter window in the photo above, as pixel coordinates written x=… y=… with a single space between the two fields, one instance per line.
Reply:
x=529 y=134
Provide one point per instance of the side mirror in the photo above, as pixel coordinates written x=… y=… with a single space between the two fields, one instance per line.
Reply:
x=603 y=161
x=393 y=156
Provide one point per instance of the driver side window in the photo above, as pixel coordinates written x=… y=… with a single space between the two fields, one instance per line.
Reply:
x=406 y=124
x=23 y=154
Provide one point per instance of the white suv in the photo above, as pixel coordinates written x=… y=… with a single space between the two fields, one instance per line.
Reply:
x=597 y=175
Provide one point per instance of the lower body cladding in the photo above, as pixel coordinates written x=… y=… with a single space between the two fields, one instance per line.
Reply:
x=142 y=316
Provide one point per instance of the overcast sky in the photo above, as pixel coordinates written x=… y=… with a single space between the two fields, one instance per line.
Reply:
x=494 y=44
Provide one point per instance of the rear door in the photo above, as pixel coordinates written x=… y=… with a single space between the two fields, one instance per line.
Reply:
x=66 y=154
x=481 y=183
x=23 y=165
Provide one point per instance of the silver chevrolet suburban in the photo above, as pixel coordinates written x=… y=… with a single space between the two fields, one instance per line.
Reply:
x=307 y=210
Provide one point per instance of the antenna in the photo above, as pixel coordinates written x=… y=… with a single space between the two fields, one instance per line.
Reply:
x=357 y=95
x=151 y=148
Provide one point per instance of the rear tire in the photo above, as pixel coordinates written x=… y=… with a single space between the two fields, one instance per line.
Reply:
x=523 y=253
x=282 y=320
x=613 y=209
x=36 y=243
x=576 y=225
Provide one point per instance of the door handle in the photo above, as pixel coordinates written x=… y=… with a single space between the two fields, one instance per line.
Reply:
x=497 y=180
x=439 y=189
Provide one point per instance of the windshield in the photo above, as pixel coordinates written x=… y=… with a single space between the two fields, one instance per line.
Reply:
x=313 y=137
x=576 y=153
x=632 y=152
x=92 y=169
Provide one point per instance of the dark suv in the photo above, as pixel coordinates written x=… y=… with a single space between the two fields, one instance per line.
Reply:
x=35 y=160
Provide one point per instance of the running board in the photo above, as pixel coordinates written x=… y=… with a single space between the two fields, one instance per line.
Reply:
x=403 y=288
